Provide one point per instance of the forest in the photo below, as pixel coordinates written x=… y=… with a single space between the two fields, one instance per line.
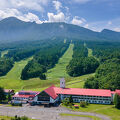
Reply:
x=5 y=66
x=45 y=59
x=21 y=50
x=107 y=74
x=105 y=62
x=81 y=64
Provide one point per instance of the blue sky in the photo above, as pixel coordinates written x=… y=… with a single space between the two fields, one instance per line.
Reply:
x=92 y=14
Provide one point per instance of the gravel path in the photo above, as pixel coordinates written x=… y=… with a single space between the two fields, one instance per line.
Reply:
x=38 y=112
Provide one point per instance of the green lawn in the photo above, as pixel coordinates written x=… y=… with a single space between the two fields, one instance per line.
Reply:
x=10 y=118
x=3 y=53
x=77 y=82
x=60 y=69
x=90 y=52
x=12 y=79
x=75 y=115
x=5 y=118
x=108 y=110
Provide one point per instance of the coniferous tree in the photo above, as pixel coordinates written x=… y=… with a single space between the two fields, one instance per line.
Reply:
x=70 y=99
x=2 y=94
x=117 y=101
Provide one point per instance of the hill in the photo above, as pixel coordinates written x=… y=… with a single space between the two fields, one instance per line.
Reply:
x=13 y=29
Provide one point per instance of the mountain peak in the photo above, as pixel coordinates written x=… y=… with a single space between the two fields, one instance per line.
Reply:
x=10 y=19
x=107 y=30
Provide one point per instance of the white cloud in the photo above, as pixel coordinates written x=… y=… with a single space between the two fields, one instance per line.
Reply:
x=57 y=5
x=117 y=29
x=29 y=17
x=60 y=17
x=77 y=21
x=86 y=25
x=8 y=13
x=109 y=22
x=24 y=4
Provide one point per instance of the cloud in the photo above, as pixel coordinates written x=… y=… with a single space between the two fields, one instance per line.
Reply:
x=86 y=25
x=21 y=9
x=24 y=4
x=117 y=29
x=57 y=5
x=77 y=21
x=109 y=22
x=29 y=17
x=60 y=17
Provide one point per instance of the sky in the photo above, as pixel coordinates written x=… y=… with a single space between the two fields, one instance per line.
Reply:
x=92 y=14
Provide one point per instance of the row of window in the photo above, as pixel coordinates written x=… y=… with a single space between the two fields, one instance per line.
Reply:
x=92 y=101
x=18 y=98
x=91 y=98
x=83 y=96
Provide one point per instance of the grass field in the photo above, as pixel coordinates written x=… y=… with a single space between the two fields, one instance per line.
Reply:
x=60 y=69
x=4 y=52
x=5 y=118
x=12 y=79
x=89 y=52
x=75 y=115
x=108 y=110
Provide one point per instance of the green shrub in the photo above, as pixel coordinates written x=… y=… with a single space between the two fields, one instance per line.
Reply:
x=66 y=102
x=16 y=104
x=19 y=118
x=83 y=104
x=117 y=101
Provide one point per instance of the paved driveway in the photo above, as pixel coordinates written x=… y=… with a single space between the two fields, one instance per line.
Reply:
x=37 y=112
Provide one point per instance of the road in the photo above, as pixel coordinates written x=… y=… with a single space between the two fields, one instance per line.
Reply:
x=53 y=113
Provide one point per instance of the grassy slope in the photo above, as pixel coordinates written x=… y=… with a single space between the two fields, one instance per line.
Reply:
x=101 y=109
x=60 y=69
x=75 y=115
x=4 y=52
x=78 y=82
x=12 y=79
x=108 y=110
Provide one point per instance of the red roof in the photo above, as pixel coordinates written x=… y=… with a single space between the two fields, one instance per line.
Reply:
x=50 y=91
x=27 y=94
x=8 y=90
x=88 y=92
x=24 y=96
x=117 y=91
x=54 y=91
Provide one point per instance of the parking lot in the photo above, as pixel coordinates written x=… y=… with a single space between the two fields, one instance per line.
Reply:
x=39 y=112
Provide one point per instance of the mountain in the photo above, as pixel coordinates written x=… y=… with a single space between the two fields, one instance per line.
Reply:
x=13 y=29
x=110 y=35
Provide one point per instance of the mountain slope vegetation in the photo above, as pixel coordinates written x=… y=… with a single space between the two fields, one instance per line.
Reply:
x=45 y=59
x=81 y=64
x=107 y=74
x=17 y=30
x=47 y=43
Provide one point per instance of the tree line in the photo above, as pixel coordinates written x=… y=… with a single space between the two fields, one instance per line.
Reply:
x=21 y=50
x=81 y=64
x=5 y=65
x=107 y=74
x=45 y=59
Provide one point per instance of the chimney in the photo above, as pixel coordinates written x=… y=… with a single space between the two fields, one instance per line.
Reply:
x=62 y=83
